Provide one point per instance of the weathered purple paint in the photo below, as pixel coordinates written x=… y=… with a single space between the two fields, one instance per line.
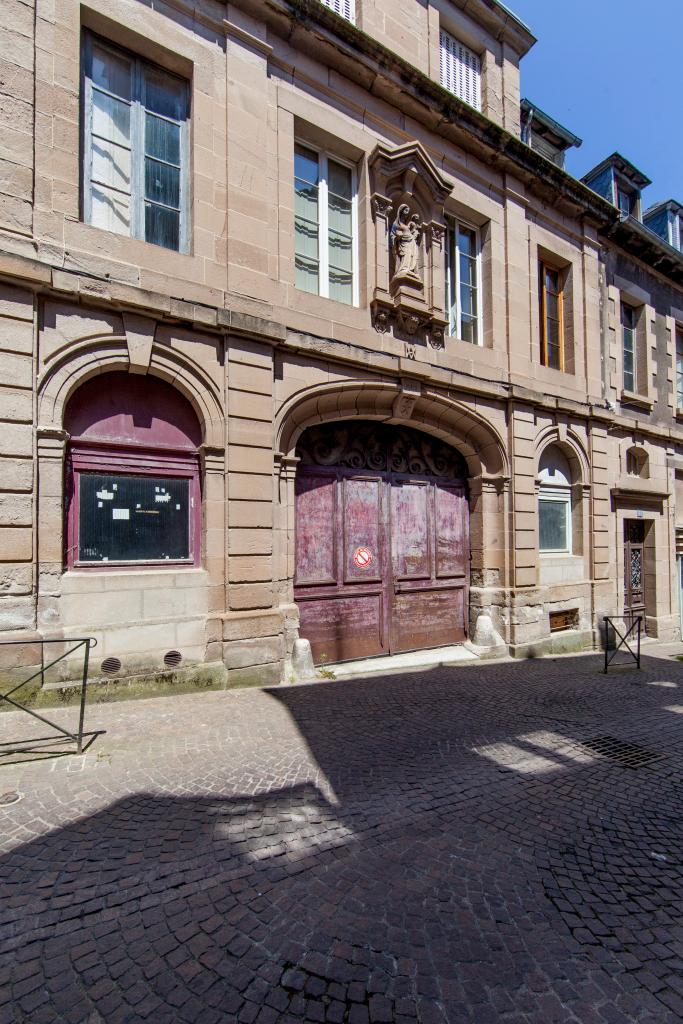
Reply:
x=414 y=592
x=126 y=408
x=121 y=423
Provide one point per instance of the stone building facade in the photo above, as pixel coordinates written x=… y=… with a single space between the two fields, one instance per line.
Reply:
x=224 y=227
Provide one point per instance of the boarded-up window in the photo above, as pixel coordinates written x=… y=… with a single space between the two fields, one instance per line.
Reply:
x=460 y=70
x=568 y=619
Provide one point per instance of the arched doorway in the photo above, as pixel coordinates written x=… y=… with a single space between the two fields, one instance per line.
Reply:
x=382 y=540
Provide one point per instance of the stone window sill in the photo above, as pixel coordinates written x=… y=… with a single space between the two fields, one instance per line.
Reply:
x=639 y=401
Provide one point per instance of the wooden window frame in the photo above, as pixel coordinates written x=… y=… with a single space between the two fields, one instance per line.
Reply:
x=121 y=460
x=324 y=156
x=137 y=147
x=545 y=266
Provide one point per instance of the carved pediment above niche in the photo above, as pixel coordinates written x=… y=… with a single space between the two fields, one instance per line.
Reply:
x=408 y=196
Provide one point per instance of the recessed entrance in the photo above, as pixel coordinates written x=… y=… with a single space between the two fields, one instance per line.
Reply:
x=382 y=541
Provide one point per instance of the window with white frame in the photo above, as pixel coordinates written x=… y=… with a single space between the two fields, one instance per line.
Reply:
x=629 y=345
x=135 y=177
x=460 y=70
x=462 y=282
x=554 y=503
x=325 y=225
x=344 y=8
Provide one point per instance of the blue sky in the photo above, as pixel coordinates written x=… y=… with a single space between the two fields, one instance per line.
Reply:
x=611 y=71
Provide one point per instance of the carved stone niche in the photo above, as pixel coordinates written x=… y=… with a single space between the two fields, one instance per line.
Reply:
x=408 y=195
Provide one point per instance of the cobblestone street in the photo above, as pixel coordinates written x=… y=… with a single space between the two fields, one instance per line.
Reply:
x=497 y=843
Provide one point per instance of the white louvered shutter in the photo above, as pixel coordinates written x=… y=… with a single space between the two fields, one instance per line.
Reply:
x=344 y=8
x=460 y=70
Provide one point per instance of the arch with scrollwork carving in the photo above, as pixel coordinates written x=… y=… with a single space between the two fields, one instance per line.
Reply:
x=427 y=409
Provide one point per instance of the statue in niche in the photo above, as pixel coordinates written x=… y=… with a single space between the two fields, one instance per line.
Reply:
x=406 y=233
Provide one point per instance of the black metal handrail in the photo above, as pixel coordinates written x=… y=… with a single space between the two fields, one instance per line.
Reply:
x=86 y=643
x=636 y=624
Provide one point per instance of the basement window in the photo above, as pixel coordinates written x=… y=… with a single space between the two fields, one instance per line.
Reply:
x=568 y=619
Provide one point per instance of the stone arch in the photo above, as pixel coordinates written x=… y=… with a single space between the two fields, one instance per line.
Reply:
x=89 y=357
x=423 y=408
x=412 y=404
x=571 y=447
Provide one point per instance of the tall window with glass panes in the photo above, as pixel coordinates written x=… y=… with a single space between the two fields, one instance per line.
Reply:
x=135 y=145
x=628 y=342
x=462 y=282
x=324 y=225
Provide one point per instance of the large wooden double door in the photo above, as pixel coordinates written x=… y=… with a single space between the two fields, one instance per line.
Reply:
x=382 y=541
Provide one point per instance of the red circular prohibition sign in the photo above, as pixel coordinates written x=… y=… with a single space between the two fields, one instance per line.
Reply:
x=362 y=557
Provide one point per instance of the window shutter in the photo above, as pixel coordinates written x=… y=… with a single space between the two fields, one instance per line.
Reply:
x=344 y=8
x=460 y=70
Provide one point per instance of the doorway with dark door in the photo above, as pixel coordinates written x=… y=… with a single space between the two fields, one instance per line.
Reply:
x=634 y=569
x=382 y=541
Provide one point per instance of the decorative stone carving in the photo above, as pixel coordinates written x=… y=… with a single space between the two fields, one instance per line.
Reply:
x=406 y=237
x=409 y=285
x=374 y=446
x=409 y=322
x=381 y=321
x=436 y=337
x=404 y=403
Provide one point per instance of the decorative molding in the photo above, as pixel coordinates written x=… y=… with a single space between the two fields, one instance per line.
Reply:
x=404 y=403
x=409 y=286
x=379 y=448
x=242 y=36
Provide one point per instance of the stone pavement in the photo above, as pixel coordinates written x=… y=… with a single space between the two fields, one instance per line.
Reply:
x=501 y=842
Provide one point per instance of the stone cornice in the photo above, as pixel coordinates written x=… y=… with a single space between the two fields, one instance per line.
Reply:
x=382 y=72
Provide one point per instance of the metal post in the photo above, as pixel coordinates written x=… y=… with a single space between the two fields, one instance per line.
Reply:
x=640 y=621
x=606 y=621
x=84 y=682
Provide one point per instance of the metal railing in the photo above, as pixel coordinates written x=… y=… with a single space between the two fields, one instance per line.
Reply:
x=76 y=643
x=625 y=638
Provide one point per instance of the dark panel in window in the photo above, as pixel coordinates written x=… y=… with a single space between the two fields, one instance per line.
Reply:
x=133 y=518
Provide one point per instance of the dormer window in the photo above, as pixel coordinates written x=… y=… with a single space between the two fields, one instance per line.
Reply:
x=460 y=70
x=627 y=199
x=620 y=183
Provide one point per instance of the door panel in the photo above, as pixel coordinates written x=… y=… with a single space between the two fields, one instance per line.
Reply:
x=427 y=618
x=452 y=534
x=362 y=534
x=315 y=528
x=410 y=533
x=343 y=627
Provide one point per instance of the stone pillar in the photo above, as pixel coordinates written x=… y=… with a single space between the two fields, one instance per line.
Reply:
x=213 y=475
x=51 y=522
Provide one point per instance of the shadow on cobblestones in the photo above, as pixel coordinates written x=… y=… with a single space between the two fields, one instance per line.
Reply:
x=440 y=847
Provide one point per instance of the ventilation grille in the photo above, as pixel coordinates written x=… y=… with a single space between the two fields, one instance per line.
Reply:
x=628 y=754
x=172 y=659
x=110 y=666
